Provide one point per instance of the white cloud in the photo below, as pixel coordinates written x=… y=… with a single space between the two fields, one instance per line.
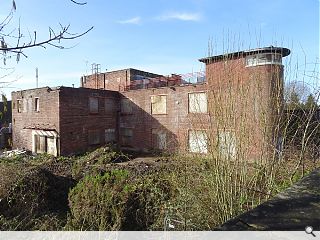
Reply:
x=264 y=24
x=182 y=16
x=135 y=20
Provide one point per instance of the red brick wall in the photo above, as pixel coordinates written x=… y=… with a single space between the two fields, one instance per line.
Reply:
x=76 y=120
x=246 y=100
x=66 y=111
x=47 y=118
x=175 y=123
x=115 y=81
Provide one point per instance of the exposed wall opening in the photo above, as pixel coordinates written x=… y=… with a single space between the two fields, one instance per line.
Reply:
x=19 y=105
x=45 y=142
x=198 y=102
x=36 y=105
x=126 y=136
x=93 y=137
x=110 y=135
x=263 y=59
x=159 y=104
x=110 y=105
x=94 y=105
x=40 y=144
x=198 y=141
x=227 y=144
x=159 y=139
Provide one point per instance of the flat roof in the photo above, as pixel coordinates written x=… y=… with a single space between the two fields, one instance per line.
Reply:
x=283 y=51
x=58 y=88
x=126 y=69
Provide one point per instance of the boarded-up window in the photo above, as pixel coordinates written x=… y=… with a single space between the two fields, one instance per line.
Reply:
x=110 y=135
x=198 y=102
x=44 y=142
x=40 y=144
x=51 y=145
x=198 y=141
x=19 y=106
x=126 y=136
x=94 y=137
x=110 y=105
x=30 y=104
x=93 y=105
x=227 y=144
x=126 y=106
x=159 y=104
x=159 y=139
x=36 y=105
x=25 y=105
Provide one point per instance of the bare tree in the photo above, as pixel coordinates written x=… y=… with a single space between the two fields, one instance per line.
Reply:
x=13 y=42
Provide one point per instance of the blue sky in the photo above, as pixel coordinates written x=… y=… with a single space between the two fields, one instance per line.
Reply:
x=161 y=36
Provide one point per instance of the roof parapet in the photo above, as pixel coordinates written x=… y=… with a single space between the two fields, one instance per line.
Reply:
x=283 y=51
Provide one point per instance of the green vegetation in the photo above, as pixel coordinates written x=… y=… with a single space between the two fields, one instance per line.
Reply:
x=97 y=202
x=114 y=202
x=90 y=192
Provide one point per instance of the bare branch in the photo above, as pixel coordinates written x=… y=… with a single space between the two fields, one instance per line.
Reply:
x=55 y=38
x=11 y=70
x=79 y=3
x=59 y=37
x=14 y=6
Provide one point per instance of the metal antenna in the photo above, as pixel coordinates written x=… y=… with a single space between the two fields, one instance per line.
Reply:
x=95 y=69
x=37 y=77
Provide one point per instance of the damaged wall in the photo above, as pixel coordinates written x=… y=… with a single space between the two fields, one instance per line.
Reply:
x=82 y=129
x=34 y=109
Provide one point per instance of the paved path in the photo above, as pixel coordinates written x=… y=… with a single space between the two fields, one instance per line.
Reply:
x=293 y=209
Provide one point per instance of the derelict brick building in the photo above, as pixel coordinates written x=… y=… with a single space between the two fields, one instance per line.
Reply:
x=235 y=107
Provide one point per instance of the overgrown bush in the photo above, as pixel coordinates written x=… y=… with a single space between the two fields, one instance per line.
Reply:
x=211 y=191
x=94 y=162
x=34 y=192
x=147 y=202
x=114 y=201
x=97 y=202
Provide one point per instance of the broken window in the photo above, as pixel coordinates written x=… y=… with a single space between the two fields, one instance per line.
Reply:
x=227 y=144
x=36 y=105
x=159 y=104
x=198 y=141
x=110 y=135
x=126 y=106
x=159 y=139
x=94 y=137
x=93 y=105
x=126 y=136
x=263 y=58
x=110 y=105
x=19 y=106
x=198 y=102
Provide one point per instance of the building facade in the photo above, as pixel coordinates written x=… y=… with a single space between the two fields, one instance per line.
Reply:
x=235 y=108
x=63 y=120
